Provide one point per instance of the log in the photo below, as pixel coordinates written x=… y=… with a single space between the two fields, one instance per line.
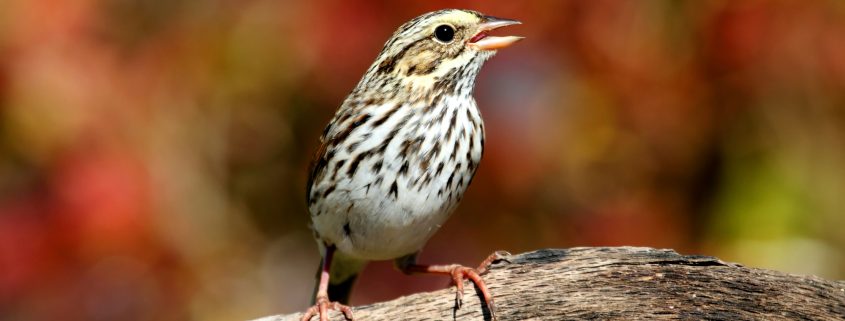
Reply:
x=621 y=283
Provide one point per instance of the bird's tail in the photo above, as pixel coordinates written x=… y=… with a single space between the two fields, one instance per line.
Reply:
x=343 y=272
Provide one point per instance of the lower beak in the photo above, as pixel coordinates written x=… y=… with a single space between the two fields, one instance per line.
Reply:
x=483 y=41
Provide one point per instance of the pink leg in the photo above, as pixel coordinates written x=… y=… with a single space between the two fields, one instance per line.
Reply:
x=322 y=302
x=458 y=273
x=496 y=256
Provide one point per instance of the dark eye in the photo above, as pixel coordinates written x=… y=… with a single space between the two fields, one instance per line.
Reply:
x=444 y=33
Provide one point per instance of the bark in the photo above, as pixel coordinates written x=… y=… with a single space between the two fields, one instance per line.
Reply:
x=621 y=283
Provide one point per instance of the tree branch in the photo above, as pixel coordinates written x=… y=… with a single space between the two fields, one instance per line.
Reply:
x=622 y=283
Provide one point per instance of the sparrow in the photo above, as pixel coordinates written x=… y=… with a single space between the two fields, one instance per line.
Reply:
x=399 y=153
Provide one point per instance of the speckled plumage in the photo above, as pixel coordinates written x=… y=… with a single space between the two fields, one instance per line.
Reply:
x=399 y=153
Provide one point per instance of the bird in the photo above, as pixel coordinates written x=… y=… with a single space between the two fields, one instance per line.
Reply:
x=399 y=153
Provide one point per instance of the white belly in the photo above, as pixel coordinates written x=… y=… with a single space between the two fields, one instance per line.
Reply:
x=389 y=202
x=374 y=227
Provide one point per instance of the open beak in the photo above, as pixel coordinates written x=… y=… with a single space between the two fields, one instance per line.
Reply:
x=483 y=41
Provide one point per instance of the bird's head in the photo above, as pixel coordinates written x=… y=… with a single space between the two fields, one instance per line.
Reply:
x=440 y=48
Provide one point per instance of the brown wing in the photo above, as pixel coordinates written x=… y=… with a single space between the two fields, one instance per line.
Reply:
x=338 y=135
x=316 y=169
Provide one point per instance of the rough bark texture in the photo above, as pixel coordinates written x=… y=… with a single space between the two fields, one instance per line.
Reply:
x=622 y=283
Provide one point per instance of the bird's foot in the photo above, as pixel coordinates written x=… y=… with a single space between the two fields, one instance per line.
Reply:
x=321 y=309
x=493 y=258
x=458 y=274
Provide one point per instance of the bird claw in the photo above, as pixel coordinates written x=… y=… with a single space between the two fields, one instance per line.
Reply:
x=493 y=258
x=459 y=273
x=321 y=309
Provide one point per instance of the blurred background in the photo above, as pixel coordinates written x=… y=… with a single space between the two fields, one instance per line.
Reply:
x=153 y=154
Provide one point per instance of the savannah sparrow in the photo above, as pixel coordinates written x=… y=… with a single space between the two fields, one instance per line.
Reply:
x=399 y=153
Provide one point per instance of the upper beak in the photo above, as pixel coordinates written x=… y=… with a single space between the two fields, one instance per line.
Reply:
x=483 y=41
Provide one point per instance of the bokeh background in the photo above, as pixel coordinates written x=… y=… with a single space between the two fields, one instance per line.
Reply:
x=153 y=154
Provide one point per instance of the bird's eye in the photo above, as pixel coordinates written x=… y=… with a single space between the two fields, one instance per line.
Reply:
x=444 y=33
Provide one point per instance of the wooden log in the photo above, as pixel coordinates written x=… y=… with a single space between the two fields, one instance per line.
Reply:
x=621 y=283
